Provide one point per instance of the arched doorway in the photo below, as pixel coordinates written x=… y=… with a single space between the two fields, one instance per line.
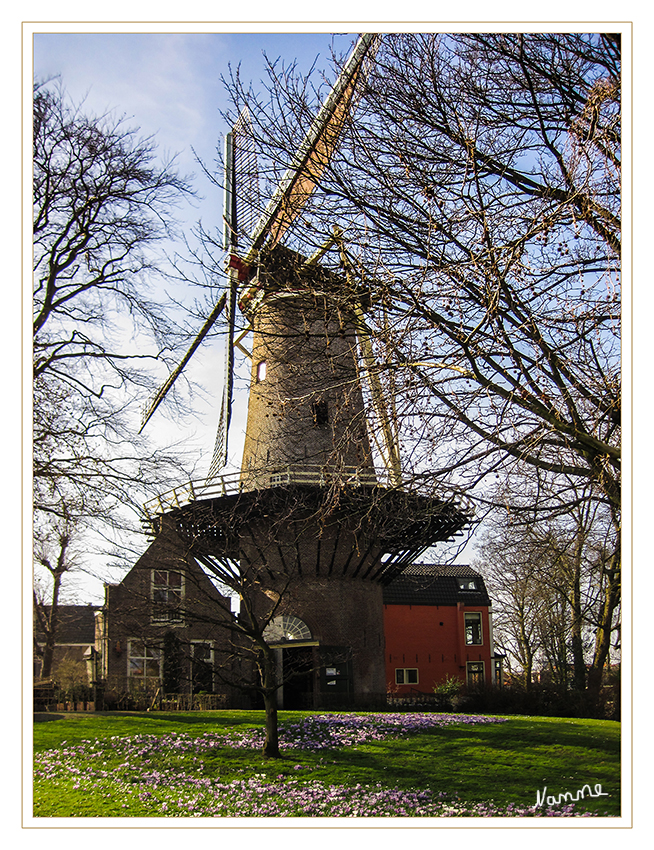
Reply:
x=297 y=659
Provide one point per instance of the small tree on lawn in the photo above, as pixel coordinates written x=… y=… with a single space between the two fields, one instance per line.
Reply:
x=55 y=552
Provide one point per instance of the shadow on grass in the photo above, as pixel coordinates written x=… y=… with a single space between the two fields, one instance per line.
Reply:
x=520 y=759
x=204 y=718
x=559 y=732
x=46 y=717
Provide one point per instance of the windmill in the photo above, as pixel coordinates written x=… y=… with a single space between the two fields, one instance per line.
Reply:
x=308 y=516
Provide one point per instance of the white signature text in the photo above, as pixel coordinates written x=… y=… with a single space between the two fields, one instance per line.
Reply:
x=542 y=798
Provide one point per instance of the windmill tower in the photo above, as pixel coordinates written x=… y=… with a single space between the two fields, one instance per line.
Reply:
x=308 y=517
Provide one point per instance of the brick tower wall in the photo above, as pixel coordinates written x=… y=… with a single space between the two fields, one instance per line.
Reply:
x=320 y=575
x=308 y=407
x=346 y=614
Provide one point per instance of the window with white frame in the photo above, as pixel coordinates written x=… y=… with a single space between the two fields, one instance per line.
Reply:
x=406 y=675
x=473 y=629
x=167 y=595
x=467 y=583
x=143 y=666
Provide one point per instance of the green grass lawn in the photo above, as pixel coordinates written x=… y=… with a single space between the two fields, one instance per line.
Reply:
x=505 y=763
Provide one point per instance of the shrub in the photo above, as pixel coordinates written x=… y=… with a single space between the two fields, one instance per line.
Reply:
x=446 y=692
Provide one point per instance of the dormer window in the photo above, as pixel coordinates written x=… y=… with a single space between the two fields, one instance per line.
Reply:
x=467 y=584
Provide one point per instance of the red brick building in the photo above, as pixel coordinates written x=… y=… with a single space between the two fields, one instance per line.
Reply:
x=160 y=628
x=438 y=624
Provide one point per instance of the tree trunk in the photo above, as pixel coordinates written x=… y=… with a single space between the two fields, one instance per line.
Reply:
x=576 y=624
x=269 y=688
x=271 y=744
x=528 y=655
x=48 y=655
x=603 y=639
x=51 y=628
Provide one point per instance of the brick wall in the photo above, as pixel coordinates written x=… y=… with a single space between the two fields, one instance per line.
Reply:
x=431 y=638
x=309 y=347
x=132 y=615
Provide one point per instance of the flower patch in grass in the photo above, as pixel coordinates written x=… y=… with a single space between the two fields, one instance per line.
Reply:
x=168 y=776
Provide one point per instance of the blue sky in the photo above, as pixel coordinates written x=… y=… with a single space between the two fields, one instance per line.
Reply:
x=170 y=83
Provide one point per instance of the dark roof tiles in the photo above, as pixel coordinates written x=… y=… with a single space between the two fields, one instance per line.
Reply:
x=76 y=624
x=436 y=584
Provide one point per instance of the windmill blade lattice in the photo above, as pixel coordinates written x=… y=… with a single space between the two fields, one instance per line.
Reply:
x=240 y=216
x=314 y=153
x=242 y=197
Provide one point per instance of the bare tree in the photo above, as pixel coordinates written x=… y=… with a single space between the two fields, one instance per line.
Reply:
x=101 y=204
x=556 y=590
x=54 y=551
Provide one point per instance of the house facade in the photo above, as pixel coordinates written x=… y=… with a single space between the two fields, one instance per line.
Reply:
x=438 y=625
x=160 y=630
x=75 y=640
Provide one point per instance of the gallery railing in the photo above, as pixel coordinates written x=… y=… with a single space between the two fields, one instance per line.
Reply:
x=238 y=482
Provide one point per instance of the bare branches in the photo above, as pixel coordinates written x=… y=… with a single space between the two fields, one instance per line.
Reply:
x=557 y=591
x=478 y=188
x=102 y=202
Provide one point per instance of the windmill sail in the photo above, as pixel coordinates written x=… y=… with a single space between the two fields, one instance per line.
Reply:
x=161 y=393
x=313 y=155
x=242 y=204
x=240 y=210
x=219 y=458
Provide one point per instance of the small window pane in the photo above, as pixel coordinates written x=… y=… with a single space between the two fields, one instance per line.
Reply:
x=473 y=629
x=152 y=667
x=136 y=667
x=201 y=651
